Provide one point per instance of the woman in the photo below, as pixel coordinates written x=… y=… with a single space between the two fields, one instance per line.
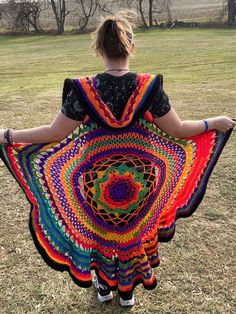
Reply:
x=103 y=196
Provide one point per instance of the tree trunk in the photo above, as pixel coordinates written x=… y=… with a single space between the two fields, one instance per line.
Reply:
x=59 y=10
x=60 y=28
x=231 y=12
x=150 y=13
x=142 y=14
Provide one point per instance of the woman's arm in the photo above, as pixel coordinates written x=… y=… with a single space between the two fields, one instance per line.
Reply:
x=171 y=124
x=60 y=128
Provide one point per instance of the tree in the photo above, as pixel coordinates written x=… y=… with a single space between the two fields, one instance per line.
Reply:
x=30 y=11
x=154 y=7
x=141 y=11
x=86 y=9
x=231 y=12
x=60 y=12
x=24 y=14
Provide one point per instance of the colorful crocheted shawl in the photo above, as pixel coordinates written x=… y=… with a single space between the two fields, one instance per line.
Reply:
x=104 y=197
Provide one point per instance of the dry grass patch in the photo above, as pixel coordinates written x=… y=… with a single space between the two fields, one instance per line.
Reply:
x=197 y=271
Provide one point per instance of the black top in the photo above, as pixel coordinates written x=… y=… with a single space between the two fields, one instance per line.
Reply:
x=115 y=92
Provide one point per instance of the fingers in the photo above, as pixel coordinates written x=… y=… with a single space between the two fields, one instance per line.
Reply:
x=229 y=125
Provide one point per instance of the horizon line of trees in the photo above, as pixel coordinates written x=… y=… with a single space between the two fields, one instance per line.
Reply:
x=27 y=15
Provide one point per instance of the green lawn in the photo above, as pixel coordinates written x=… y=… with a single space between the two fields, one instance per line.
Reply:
x=197 y=271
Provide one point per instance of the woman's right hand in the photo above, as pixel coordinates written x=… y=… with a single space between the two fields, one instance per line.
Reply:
x=222 y=123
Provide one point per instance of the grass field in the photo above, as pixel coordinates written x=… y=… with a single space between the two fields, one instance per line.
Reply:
x=197 y=273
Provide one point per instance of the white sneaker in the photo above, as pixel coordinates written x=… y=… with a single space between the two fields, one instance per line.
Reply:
x=129 y=302
x=104 y=294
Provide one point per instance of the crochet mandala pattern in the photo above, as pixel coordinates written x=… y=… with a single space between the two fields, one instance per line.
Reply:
x=104 y=197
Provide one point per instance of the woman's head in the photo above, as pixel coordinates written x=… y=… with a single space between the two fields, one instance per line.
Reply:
x=114 y=36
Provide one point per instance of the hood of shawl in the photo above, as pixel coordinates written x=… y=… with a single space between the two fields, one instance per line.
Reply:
x=87 y=87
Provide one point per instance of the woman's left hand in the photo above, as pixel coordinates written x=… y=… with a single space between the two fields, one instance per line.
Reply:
x=1 y=136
